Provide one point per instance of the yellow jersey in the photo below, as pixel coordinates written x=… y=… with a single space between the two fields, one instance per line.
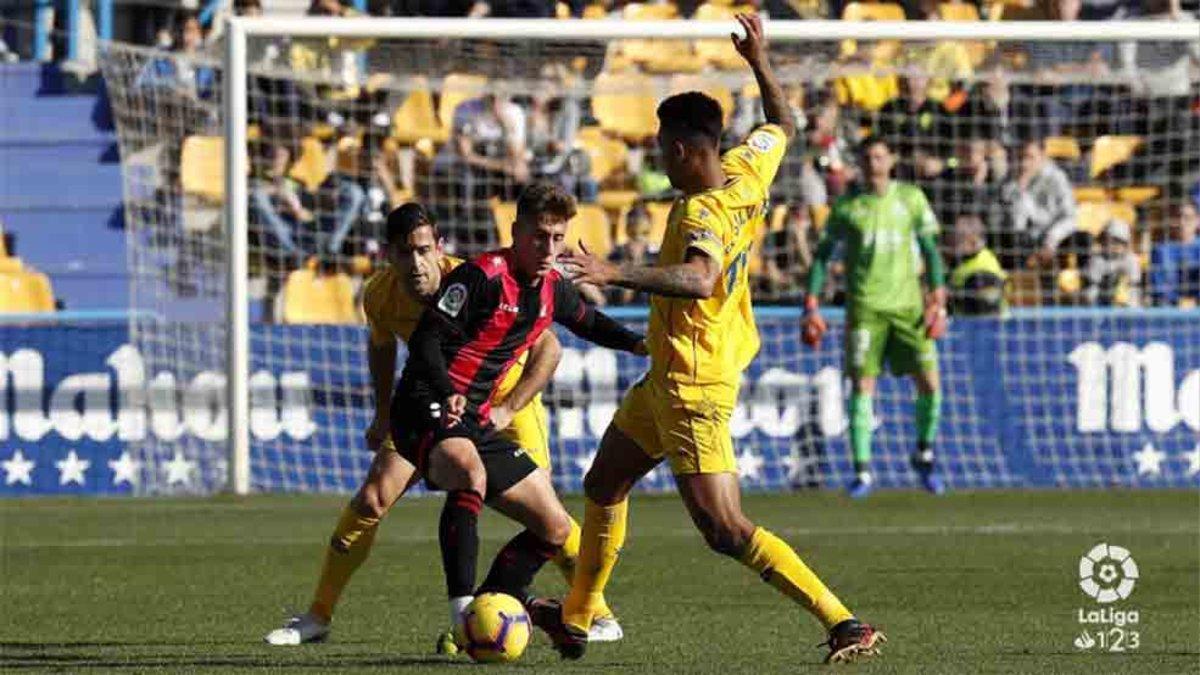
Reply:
x=713 y=340
x=393 y=311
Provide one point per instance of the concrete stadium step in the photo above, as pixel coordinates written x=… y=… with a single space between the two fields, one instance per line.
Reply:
x=69 y=240
x=91 y=291
x=68 y=118
x=47 y=175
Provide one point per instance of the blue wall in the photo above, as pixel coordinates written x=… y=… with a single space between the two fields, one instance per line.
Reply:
x=1073 y=399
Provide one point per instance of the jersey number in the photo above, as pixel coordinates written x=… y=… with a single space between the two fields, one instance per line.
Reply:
x=735 y=271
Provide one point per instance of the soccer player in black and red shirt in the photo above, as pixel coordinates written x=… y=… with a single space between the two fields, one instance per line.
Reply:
x=487 y=313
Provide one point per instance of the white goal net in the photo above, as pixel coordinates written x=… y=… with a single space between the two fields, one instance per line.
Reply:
x=1074 y=161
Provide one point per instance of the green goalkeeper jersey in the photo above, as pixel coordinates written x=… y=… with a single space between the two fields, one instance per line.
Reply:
x=884 y=238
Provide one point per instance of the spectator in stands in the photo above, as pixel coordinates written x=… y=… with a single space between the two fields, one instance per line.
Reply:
x=1175 y=263
x=486 y=157
x=638 y=249
x=1113 y=277
x=977 y=280
x=1068 y=105
x=829 y=152
x=183 y=73
x=913 y=123
x=969 y=186
x=553 y=121
x=986 y=114
x=512 y=9
x=787 y=257
x=276 y=202
x=1039 y=210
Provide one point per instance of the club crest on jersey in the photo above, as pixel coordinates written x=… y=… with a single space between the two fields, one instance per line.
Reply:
x=697 y=236
x=453 y=300
x=761 y=141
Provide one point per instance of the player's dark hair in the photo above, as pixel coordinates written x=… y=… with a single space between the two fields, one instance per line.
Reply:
x=407 y=217
x=873 y=140
x=543 y=200
x=691 y=116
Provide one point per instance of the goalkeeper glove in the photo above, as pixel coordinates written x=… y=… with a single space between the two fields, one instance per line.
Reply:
x=812 y=326
x=935 y=313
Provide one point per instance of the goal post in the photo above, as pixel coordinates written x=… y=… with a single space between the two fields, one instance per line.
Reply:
x=1039 y=426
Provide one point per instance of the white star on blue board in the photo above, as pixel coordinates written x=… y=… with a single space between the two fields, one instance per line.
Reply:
x=72 y=469
x=179 y=469
x=1193 y=460
x=1149 y=460
x=125 y=469
x=750 y=465
x=18 y=469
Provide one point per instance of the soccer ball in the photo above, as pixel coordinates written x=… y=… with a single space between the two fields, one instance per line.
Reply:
x=494 y=628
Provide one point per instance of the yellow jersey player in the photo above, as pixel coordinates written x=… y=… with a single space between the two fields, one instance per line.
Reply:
x=394 y=300
x=701 y=337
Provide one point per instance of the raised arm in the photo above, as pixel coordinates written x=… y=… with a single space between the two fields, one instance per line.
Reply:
x=753 y=49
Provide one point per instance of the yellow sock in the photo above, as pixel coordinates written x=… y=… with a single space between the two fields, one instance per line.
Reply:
x=565 y=561
x=778 y=565
x=600 y=543
x=348 y=548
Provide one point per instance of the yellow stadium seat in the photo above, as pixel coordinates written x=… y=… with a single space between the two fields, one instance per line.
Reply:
x=313 y=298
x=1062 y=147
x=626 y=104
x=25 y=292
x=1137 y=194
x=657 y=56
x=416 y=118
x=1110 y=151
x=872 y=11
x=708 y=85
x=617 y=201
x=503 y=214
x=456 y=88
x=608 y=155
x=1091 y=217
x=1091 y=193
x=595 y=11
x=645 y=11
x=719 y=53
x=562 y=10
x=11 y=265
x=312 y=166
x=202 y=167
x=592 y=228
x=957 y=11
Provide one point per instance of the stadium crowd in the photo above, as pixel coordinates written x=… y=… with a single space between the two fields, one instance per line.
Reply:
x=1061 y=173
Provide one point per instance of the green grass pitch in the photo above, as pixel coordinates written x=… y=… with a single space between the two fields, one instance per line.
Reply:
x=971 y=583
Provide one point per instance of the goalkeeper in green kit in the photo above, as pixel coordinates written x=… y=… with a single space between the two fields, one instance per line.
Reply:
x=885 y=226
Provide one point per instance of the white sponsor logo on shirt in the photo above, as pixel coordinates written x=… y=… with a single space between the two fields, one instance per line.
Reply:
x=453 y=300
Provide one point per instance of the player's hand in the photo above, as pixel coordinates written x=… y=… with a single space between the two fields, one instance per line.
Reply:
x=501 y=416
x=813 y=328
x=753 y=47
x=456 y=407
x=378 y=432
x=584 y=268
x=935 y=313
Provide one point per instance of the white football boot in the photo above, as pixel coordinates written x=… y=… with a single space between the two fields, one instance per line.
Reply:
x=605 y=629
x=299 y=630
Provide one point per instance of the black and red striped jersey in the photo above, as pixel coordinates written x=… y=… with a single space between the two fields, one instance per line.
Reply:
x=484 y=318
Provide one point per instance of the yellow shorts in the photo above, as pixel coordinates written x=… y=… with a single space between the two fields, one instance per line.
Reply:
x=530 y=429
x=687 y=424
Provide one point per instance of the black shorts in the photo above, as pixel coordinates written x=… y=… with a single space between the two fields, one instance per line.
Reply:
x=416 y=431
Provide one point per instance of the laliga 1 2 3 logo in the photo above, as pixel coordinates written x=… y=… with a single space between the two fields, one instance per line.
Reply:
x=1108 y=573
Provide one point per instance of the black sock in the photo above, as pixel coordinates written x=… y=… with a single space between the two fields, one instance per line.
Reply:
x=516 y=564
x=458 y=535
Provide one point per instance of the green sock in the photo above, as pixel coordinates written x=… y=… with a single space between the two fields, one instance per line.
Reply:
x=929 y=411
x=860 y=429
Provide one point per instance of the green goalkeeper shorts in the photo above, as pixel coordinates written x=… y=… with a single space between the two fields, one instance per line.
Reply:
x=896 y=336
